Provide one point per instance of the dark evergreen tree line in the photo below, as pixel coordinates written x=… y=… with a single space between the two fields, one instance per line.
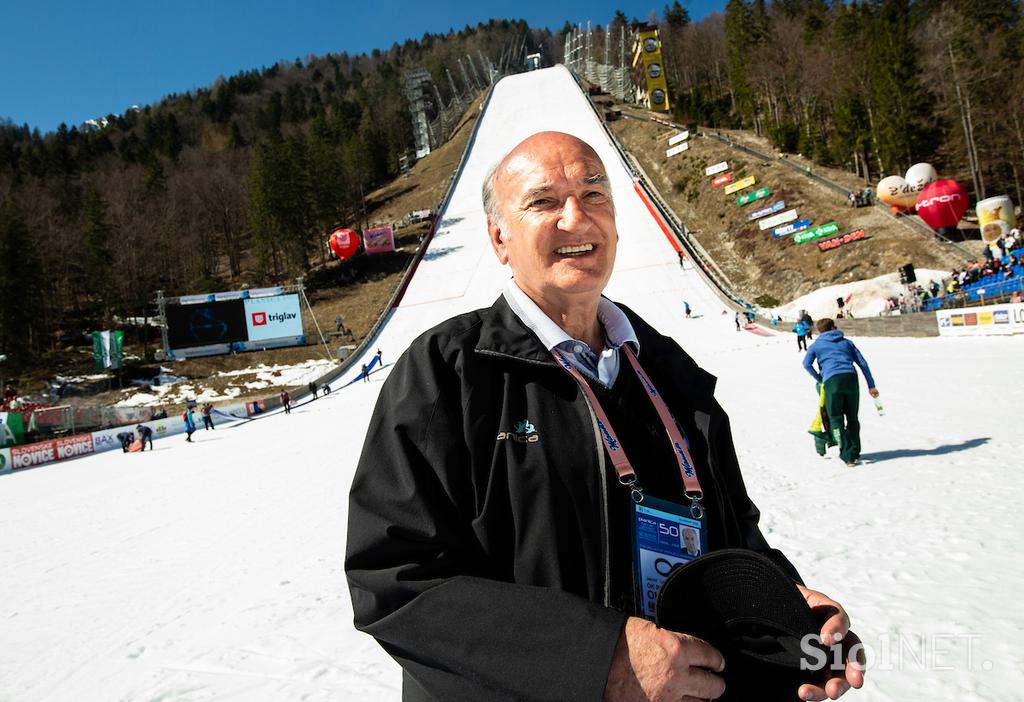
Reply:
x=874 y=85
x=234 y=184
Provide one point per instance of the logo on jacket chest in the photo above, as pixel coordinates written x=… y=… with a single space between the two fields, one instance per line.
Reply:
x=524 y=433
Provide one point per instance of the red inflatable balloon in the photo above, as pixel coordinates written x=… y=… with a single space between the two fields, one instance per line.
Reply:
x=344 y=243
x=942 y=204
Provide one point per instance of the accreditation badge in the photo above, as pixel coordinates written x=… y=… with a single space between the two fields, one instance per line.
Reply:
x=665 y=535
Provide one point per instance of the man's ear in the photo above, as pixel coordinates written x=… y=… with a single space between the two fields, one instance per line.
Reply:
x=494 y=233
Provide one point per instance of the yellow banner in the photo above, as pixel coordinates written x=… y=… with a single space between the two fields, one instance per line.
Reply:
x=740 y=184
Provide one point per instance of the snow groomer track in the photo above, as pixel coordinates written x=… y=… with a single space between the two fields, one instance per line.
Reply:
x=214 y=570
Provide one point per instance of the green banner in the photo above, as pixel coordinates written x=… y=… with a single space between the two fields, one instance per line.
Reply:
x=107 y=348
x=752 y=197
x=816 y=233
x=12 y=429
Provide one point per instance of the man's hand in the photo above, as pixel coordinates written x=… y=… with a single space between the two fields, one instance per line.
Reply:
x=873 y=392
x=836 y=629
x=658 y=665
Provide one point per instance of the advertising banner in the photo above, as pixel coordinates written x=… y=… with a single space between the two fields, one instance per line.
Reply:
x=5 y=461
x=753 y=197
x=12 y=428
x=682 y=136
x=678 y=149
x=787 y=229
x=982 y=321
x=273 y=317
x=776 y=206
x=206 y=324
x=717 y=168
x=379 y=240
x=836 y=242
x=740 y=185
x=816 y=233
x=107 y=440
x=648 y=55
x=721 y=180
x=781 y=218
x=43 y=452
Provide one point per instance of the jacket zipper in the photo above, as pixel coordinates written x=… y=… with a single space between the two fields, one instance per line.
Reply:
x=603 y=476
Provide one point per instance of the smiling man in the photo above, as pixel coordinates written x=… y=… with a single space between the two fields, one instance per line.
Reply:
x=491 y=518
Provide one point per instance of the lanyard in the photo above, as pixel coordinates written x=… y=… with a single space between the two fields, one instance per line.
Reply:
x=623 y=468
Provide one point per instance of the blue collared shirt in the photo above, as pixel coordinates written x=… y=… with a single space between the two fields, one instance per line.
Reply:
x=602 y=366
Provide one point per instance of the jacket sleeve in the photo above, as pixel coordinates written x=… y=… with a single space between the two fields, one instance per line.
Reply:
x=423 y=585
x=858 y=358
x=809 y=358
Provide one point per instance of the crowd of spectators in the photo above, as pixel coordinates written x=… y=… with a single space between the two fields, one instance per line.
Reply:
x=1002 y=261
x=999 y=261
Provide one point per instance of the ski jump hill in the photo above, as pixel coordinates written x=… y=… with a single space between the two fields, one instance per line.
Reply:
x=214 y=570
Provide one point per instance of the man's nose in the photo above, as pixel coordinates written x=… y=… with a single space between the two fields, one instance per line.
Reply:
x=573 y=215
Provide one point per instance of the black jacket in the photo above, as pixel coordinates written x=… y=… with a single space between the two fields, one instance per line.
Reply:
x=478 y=536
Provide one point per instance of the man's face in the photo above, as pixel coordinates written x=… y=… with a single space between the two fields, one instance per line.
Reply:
x=558 y=224
x=690 y=539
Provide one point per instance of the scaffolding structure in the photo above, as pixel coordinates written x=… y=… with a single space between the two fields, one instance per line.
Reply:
x=611 y=72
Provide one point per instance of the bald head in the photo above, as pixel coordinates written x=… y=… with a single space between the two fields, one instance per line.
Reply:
x=536 y=149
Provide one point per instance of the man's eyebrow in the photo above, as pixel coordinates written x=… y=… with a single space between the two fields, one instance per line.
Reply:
x=596 y=179
x=540 y=190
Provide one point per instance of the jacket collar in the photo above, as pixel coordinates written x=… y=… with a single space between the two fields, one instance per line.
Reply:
x=617 y=327
x=503 y=333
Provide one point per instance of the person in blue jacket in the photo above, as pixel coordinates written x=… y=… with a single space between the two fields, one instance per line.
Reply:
x=190 y=423
x=836 y=356
x=800 y=329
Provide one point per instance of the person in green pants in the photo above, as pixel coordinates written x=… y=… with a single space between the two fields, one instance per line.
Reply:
x=836 y=356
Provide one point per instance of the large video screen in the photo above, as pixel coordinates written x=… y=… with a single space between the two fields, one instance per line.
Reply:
x=207 y=323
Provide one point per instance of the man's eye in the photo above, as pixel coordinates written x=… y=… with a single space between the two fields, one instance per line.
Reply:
x=595 y=195
x=541 y=202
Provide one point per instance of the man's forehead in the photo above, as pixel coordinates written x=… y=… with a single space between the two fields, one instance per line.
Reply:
x=533 y=168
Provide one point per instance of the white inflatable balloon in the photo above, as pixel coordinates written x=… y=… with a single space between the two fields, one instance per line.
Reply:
x=894 y=190
x=920 y=175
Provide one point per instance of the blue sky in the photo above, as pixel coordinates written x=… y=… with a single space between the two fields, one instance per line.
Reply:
x=72 y=61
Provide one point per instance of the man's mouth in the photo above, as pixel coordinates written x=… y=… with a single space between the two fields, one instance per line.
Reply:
x=574 y=250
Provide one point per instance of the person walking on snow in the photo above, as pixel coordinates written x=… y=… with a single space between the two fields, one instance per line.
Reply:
x=836 y=356
x=686 y=308
x=737 y=320
x=286 y=401
x=190 y=423
x=206 y=412
x=800 y=329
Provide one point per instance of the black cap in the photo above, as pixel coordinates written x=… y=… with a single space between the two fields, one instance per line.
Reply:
x=747 y=607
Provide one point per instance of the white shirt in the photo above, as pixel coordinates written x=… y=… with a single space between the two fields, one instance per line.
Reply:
x=603 y=367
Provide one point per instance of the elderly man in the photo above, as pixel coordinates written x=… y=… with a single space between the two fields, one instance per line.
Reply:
x=490 y=518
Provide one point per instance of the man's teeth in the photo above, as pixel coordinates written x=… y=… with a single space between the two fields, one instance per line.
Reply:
x=582 y=248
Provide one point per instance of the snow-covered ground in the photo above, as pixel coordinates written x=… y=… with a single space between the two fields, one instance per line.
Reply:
x=214 y=570
x=255 y=378
x=867 y=297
